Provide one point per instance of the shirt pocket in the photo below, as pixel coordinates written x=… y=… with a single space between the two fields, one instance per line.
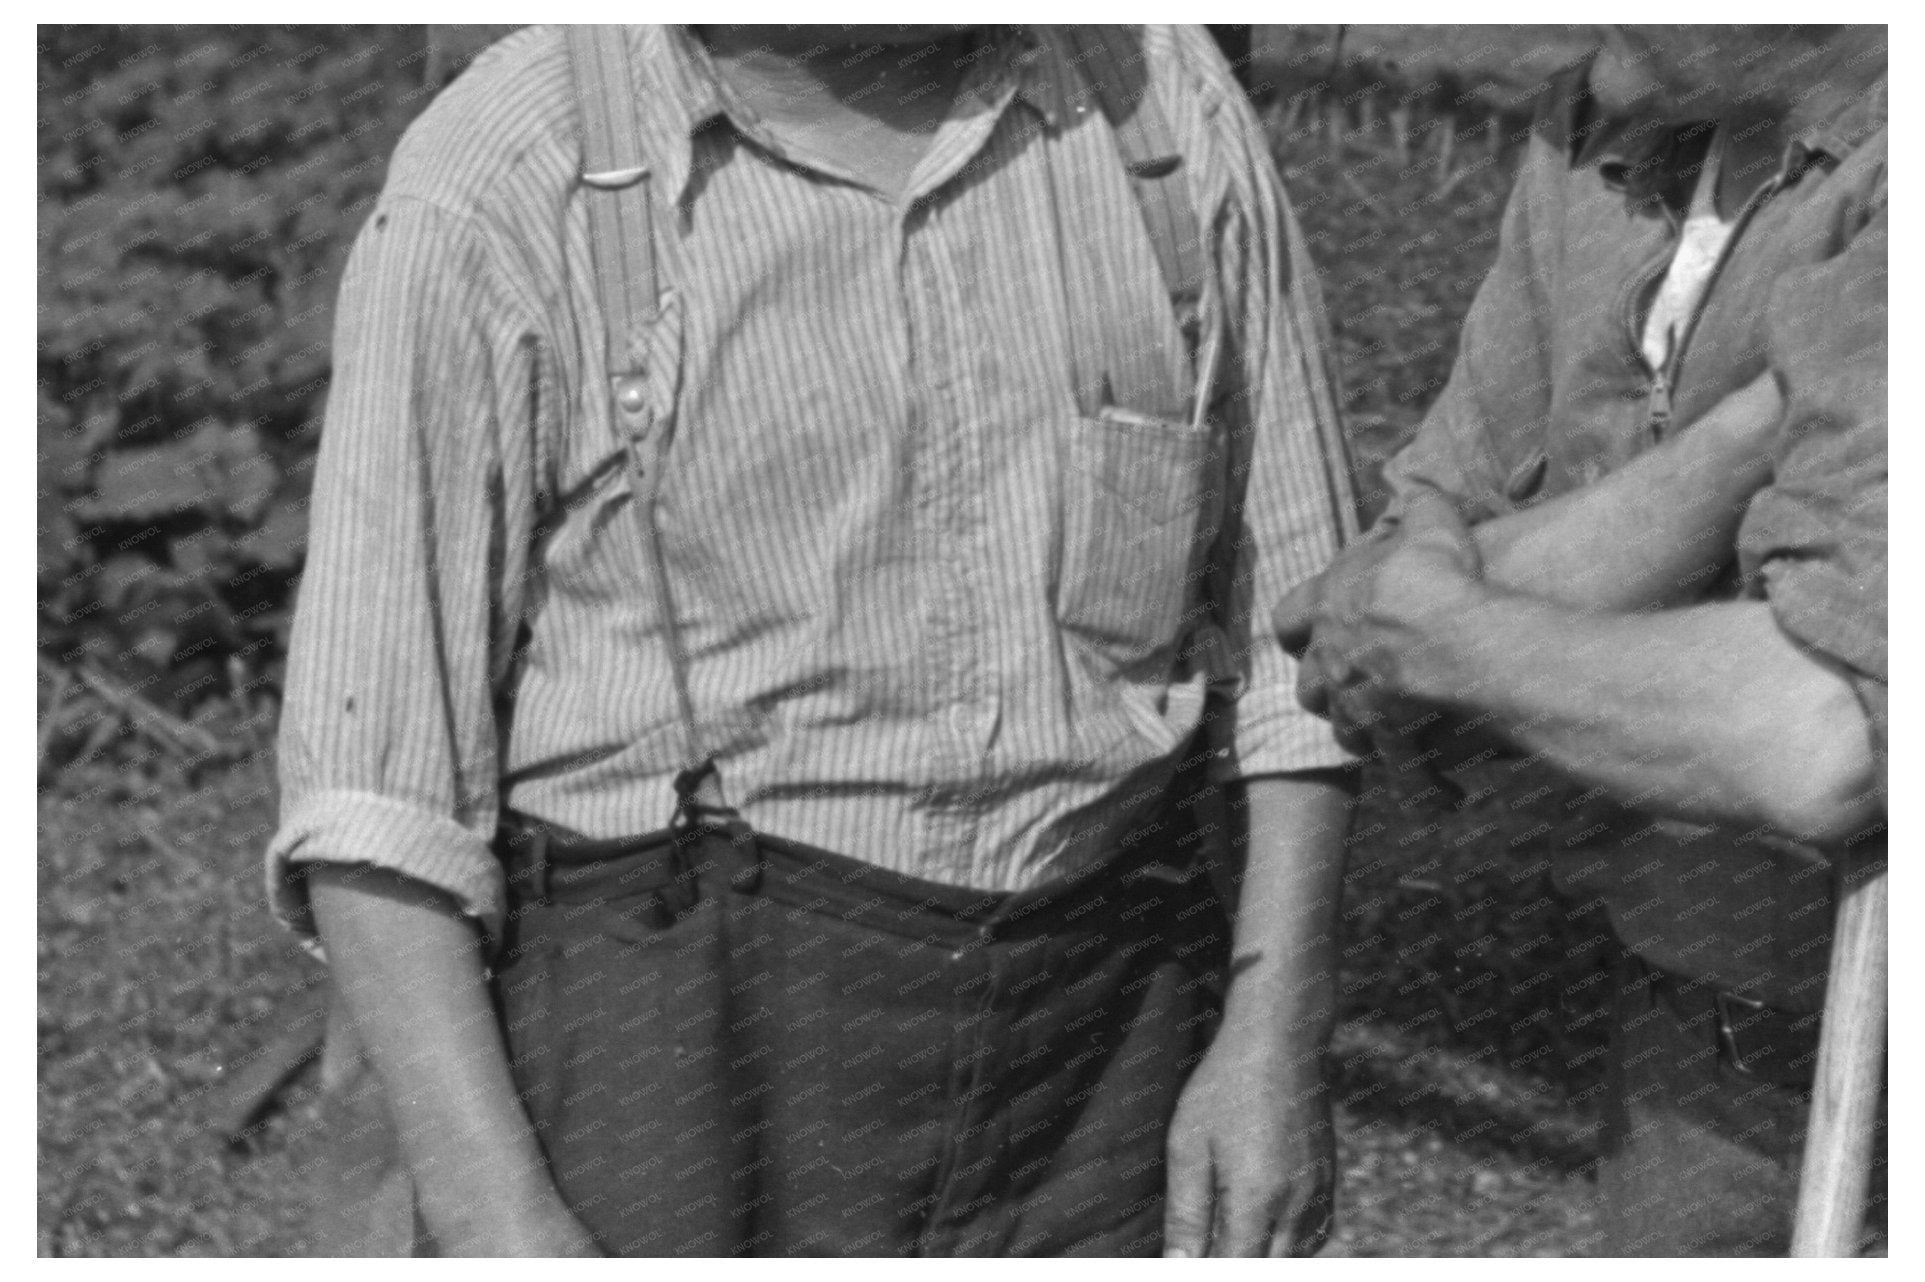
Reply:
x=1139 y=502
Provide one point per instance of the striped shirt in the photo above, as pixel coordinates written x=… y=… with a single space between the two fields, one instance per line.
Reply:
x=942 y=612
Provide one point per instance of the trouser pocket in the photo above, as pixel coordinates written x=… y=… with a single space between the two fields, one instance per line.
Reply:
x=616 y=1015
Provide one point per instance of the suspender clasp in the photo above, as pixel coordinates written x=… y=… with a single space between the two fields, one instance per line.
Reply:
x=615 y=179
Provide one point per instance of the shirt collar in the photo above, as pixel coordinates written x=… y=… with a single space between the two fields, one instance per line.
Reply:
x=1638 y=157
x=1837 y=133
x=682 y=92
x=1045 y=80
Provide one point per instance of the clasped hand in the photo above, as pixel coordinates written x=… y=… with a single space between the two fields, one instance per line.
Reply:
x=1369 y=630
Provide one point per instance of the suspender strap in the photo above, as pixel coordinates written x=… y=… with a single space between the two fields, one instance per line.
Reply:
x=1111 y=58
x=621 y=216
x=621 y=233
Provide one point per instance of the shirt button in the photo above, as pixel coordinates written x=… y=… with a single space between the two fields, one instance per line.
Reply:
x=629 y=395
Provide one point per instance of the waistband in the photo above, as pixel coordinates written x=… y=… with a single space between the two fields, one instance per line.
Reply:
x=548 y=864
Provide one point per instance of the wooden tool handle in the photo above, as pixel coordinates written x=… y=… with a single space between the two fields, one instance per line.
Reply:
x=248 y=1085
x=1833 y=1182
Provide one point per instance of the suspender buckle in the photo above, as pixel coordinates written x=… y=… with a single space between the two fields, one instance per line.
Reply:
x=614 y=179
x=698 y=799
x=696 y=813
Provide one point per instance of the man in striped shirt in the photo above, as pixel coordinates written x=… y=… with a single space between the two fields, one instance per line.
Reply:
x=959 y=527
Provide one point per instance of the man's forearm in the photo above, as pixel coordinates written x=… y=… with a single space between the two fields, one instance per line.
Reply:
x=407 y=965
x=1252 y=1152
x=1285 y=941
x=1651 y=533
x=1708 y=712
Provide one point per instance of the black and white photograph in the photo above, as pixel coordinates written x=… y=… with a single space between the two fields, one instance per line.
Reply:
x=1041 y=640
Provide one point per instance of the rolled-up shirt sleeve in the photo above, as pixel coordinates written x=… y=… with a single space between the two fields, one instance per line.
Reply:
x=1290 y=499
x=405 y=621
x=1816 y=536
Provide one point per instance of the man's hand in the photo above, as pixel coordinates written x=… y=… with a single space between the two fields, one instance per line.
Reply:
x=1361 y=627
x=1252 y=1154
x=548 y=1230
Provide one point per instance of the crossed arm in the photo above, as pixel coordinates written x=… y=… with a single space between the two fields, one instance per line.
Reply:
x=1547 y=630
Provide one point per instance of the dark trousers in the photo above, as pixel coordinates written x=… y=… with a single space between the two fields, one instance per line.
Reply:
x=758 y=1048
x=1701 y=1155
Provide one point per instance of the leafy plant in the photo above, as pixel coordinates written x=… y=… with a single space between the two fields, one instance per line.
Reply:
x=198 y=190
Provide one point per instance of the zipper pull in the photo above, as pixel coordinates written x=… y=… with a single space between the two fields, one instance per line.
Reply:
x=1659 y=410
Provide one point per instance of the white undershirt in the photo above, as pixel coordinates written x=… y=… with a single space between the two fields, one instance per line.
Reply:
x=1700 y=245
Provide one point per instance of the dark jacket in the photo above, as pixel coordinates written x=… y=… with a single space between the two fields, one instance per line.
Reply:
x=1550 y=392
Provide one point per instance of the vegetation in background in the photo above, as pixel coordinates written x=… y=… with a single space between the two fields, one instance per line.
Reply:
x=198 y=190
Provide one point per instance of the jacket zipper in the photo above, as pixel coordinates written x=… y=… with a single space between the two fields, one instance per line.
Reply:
x=1629 y=327
x=1658 y=407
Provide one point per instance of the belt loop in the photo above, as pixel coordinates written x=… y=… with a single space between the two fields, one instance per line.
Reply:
x=746 y=879
x=522 y=846
x=538 y=863
x=681 y=891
